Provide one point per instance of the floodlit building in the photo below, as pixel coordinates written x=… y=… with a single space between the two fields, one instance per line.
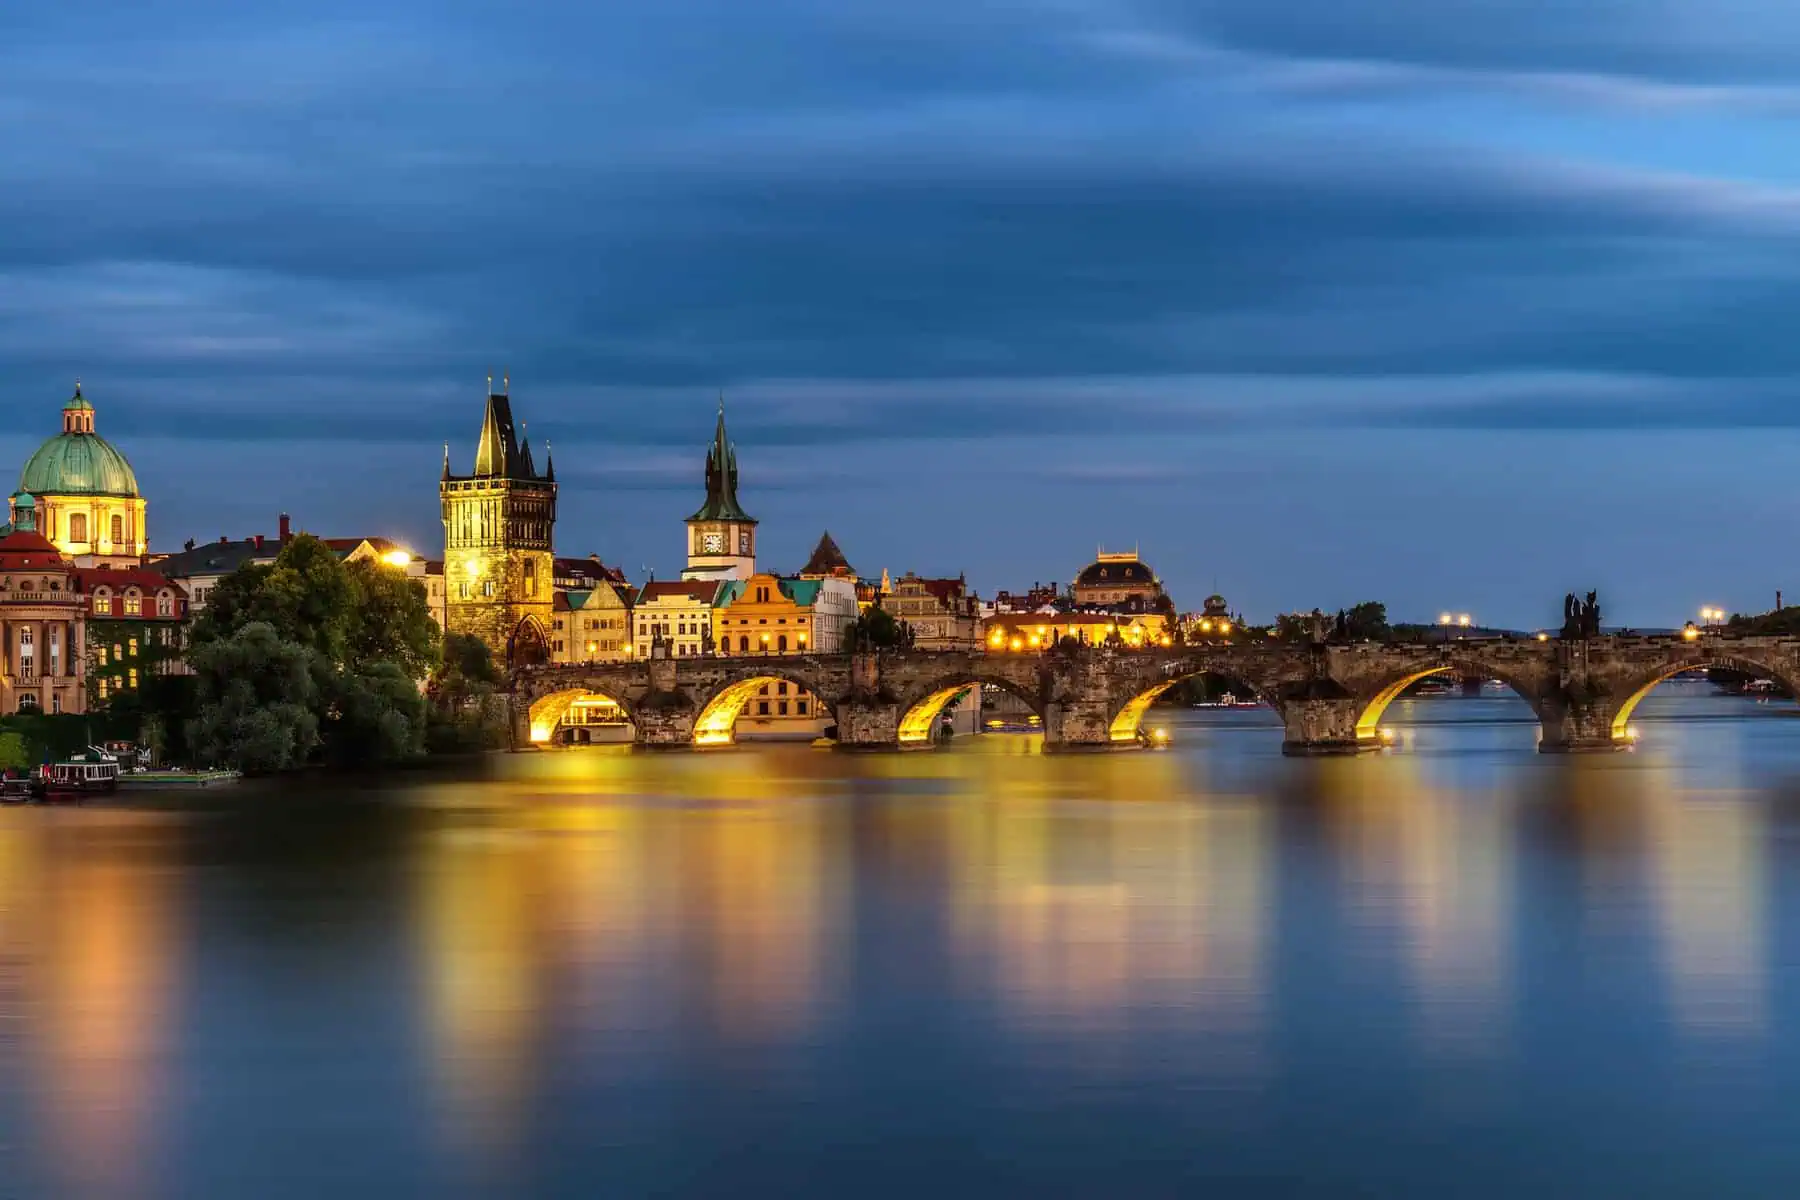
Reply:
x=42 y=621
x=721 y=536
x=943 y=613
x=83 y=495
x=678 y=613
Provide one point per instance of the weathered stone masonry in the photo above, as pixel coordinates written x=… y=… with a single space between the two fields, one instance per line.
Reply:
x=1330 y=697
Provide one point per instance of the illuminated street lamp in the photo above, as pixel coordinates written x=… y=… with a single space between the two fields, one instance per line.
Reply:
x=1689 y=632
x=397 y=558
x=1464 y=620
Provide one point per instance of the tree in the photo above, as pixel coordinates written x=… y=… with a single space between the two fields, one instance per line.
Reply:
x=1367 y=622
x=877 y=629
x=389 y=621
x=463 y=716
x=376 y=716
x=260 y=698
x=15 y=752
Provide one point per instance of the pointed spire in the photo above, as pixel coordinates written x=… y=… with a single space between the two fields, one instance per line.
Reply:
x=446 y=460
x=549 y=462
x=527 y=469
x=721 y=478
x=497 y=451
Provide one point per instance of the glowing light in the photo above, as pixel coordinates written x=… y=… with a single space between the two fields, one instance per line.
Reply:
x=1463 y=620
x=1389 y=736
x=1017 y=644
x=1035 y=639
x=1206 y=627
x=1543 y=637
x=1631 y=733
x=1689 y=633
x=397 y=558
x=1224 y=626
x=592 y=647
x=1443 y=618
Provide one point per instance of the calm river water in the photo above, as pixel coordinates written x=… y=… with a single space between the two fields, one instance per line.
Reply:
x=1459 y=969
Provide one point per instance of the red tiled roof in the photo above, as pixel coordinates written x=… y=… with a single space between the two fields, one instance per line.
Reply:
x=28 y=548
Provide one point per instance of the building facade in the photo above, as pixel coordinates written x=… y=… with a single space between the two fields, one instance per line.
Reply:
x=767 y=614
x=42 y=622
x=136 y=624
x=676 y=614
x=721 y=536
x=943 y=613
x=499 y=522
x=83 y=494
x=1122 y=583
x=592 y=625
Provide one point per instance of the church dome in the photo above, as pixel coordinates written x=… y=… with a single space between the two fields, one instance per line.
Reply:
x=78 y=461
x=1116 y=570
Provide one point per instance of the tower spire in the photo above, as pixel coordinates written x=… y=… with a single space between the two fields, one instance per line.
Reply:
x=446 y=460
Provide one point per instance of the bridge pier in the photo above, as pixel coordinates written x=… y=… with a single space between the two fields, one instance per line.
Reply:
x=1320 y=726
x=1080 y=726
x=868 y=725
x=1572 y=726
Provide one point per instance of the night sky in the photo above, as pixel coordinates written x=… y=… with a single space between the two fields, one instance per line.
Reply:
x=1449 y=303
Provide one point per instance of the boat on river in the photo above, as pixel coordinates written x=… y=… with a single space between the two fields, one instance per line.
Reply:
x=80 y=778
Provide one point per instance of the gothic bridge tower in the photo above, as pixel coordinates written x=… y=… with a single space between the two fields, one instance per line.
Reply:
x=498 y=527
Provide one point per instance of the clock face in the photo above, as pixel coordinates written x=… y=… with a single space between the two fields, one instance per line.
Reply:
x=713 y=543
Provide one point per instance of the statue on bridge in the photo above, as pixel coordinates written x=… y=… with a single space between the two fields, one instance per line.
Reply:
x=1581 y=618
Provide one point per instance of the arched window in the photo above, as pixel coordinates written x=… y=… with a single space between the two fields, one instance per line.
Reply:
x=102 y=603
x=744 y=644
x=165 y=604
x=78 y=527
x=132 y=606
x=118 y=530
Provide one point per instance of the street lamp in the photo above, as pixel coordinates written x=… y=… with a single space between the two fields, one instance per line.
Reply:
x=1688 y=632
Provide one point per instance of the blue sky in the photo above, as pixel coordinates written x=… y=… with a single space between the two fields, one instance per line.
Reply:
x=1449 y=304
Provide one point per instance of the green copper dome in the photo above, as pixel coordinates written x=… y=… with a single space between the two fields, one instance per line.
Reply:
x=78 y=461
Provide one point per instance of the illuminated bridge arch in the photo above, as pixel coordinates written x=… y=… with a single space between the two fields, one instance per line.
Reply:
x=718 y=716
x=1368 y=722
x=919 y=715
x=1126 y=722
x=1635 y=692
x=548 y=711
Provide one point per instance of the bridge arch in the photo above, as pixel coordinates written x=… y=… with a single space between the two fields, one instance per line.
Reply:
x=1130 y=716
x=1635 y=691
x=919 y=713
x=547 y=711
x=1368 y=721
x=717 y=717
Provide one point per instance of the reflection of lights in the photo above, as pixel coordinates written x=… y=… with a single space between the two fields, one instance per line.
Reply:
x=1631 y=733
x=1389 y=736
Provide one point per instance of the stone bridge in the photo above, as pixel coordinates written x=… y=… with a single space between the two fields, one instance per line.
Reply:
x=1330 y=697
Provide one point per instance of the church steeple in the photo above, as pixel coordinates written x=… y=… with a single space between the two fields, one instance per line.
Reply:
x=497 y=452
x=722 y=479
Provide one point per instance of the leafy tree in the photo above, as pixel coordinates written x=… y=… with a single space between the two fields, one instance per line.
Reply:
x=15 y=752
x=259 y=700
x=463 y=716
x=877 y=629
x=377 y=716
x=389 y=621
x=1367 y=622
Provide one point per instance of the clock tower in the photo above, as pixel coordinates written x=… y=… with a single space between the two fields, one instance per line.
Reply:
x=721 y=536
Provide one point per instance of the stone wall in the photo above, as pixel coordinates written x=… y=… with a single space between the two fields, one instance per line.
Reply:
x=1329 y=696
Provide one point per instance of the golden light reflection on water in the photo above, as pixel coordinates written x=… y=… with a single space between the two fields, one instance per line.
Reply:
x=89 y=953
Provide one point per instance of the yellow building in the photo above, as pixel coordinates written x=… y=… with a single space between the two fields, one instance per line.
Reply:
x=591 y=625
x=84 y=494
x=498 y=525
x=766 y=614
x=1030 y=633
x=679 y=614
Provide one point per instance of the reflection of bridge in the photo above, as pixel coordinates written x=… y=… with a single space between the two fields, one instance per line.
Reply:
x=1329 y=697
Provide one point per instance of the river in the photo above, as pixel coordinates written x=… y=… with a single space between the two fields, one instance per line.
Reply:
x=1455 y=969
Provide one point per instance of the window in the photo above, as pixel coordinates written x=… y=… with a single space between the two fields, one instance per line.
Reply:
x=781 y=644
x=763 y=690
x=165 y=604
x=118 y=530
x=133 y=682
x=782 y=708
x=78 y=527
x=559 y=648
x=531 y=577
x=762 y=708
x=462 y=591
x=56 y=703
x=744 y=644
x=103 y=603
x=487 y=587
x=134 y=648
x=800 y=707
x=132 y=606
x=781 y=689
x=100 y=656
x=559 y=622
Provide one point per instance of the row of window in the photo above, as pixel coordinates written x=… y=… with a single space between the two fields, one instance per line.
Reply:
x=131 y=604
x=764 y=621
x=78 y=528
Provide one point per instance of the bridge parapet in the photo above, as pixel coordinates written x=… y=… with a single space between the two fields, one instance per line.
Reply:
x=1329 y=696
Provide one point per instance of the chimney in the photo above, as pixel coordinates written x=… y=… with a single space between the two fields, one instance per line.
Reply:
x=259 y=540
x=223 y=540
x=286 y=530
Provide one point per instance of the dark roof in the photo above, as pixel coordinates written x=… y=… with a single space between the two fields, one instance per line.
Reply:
x=722 y=480
x=499 y=454
x=218 y=558
x=588 y=568
x=827 y=559
x=1116 y=571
